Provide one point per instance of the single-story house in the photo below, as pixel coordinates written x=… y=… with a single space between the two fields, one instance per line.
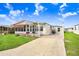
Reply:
x=31 y=28
x=69 y=29
x=5 y=29
x=57 y=29
x=28 y=27
x=74 y=29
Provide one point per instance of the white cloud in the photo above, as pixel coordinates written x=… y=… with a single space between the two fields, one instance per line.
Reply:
x=2 y=15
x=39 y=8
x=11 y=17
x=5 y=17
x=62 y=7
x=8 y=6
x=16 y=12
x=68 y=14
x=64 y=15
x=36 y=12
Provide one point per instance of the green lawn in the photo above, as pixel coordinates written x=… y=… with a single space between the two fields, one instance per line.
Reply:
x=71 y=44
x=10 y=41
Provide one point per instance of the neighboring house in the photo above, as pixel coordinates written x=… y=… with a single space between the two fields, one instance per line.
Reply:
x=74 y=29
x=6 y=29
x=69 y=29
x=57 y=29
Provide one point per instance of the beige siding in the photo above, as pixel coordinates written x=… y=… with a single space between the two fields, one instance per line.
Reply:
x=47 y=30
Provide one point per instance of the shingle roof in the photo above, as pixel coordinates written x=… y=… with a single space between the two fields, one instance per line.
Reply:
x=27 y=22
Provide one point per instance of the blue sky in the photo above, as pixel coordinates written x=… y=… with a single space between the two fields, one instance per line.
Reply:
x=52 y=13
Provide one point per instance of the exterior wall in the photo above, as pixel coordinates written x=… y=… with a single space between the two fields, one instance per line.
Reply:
x=56 y=29
x=76 y=29
x=4 y=29
x=47 y=30
x=62 y=30
x=20 y=32
x=70 y=30
x=27 y=28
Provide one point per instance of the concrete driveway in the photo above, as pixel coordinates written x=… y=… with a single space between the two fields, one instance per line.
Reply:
x=52 y=45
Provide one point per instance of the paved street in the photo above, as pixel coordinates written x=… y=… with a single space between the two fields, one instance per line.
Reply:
x=52 y=45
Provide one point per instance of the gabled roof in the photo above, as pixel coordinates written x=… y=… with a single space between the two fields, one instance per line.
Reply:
x=23 y=22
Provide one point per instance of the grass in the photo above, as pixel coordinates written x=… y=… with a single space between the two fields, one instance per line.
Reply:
x=10 y=41
x=71 y=43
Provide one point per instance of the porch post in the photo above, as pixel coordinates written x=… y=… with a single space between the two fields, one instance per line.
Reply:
x=38 y=29
x=29 y=28
x=26 y=28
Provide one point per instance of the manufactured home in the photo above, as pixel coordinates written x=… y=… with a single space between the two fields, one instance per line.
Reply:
x=57 y=29
x=29 y=28
x=71 y=29
x=5 y=29
x=74 y=29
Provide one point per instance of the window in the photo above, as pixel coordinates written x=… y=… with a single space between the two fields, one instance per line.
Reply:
x=27 y=29
x=24 y=27
x=41 y=28
x=36 y=29
x=18 y=29
x=21 y=29
x=72 y=28
x=3 y=28
x=58 y=29
x=30 y=28
x=33 y=28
